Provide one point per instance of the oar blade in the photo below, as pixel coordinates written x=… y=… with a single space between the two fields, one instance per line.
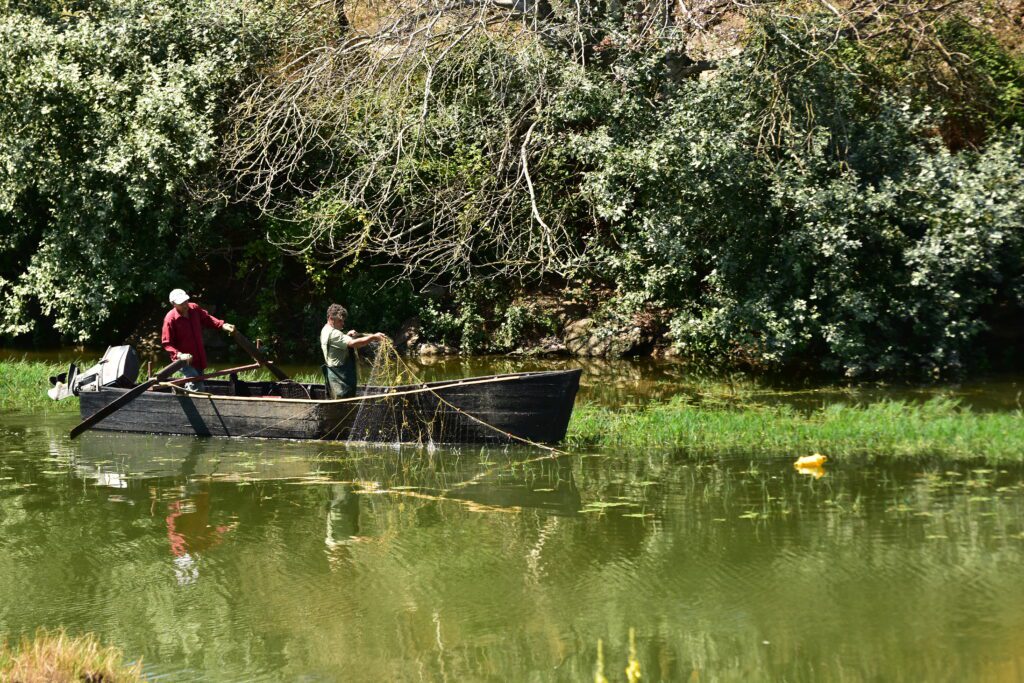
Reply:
x=112 y=407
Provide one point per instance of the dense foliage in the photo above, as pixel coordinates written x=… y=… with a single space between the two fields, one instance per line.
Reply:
x=837 y=191
x=791 y=211
x=108 y=128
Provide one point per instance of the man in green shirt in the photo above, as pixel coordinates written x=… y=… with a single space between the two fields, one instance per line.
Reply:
x=339 y=355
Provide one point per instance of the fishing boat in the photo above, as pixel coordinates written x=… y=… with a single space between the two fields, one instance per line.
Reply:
x=515 y=407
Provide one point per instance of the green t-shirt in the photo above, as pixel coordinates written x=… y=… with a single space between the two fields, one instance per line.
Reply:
x=334 y=343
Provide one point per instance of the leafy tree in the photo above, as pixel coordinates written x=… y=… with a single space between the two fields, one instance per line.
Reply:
x=791 y=211
x=795 y=184
x=108 y=128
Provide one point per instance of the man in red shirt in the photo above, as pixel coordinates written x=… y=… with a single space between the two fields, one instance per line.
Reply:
x=182 y=335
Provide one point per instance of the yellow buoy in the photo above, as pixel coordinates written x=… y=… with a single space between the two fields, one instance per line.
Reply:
x=816 y=460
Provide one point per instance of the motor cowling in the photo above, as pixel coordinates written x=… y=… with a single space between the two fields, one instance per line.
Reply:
x=119 y=367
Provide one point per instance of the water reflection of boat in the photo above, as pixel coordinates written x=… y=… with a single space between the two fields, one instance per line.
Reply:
x=531 y=405
x=487 y=479
x=109 y=457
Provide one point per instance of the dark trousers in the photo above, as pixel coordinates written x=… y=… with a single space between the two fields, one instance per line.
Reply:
x=337 y=383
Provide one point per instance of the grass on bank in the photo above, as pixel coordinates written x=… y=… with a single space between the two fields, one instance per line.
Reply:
x=23 y=386
x=939 y=427
x=55 y=657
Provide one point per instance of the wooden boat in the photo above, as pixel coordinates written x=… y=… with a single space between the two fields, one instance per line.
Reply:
x=535 y=406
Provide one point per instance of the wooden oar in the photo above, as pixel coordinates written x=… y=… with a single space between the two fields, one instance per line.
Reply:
x=257 y=356
x=127 y=398
x=211 y=375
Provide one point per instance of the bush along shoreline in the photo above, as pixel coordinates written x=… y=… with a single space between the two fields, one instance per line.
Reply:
x=56 y=657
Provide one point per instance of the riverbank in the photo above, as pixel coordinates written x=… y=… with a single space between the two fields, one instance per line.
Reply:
x=938 y=427
x=23 y=386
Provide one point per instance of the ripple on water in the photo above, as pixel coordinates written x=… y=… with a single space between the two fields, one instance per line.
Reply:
x=290 y=581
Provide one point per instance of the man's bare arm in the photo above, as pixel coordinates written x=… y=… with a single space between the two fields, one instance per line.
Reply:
x=360 y=342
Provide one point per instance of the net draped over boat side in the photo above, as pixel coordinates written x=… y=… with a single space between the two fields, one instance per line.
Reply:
x=398 y=407
x=406 y=418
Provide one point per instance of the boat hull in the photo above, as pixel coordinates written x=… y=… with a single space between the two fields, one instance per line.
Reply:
x=499 y=409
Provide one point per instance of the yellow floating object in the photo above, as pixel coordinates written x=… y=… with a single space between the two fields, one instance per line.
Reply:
x=816 y=460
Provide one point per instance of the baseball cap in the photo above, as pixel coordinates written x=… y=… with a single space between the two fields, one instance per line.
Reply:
x=178 y=296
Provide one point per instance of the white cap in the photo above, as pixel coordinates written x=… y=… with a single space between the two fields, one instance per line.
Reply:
x=178 y=296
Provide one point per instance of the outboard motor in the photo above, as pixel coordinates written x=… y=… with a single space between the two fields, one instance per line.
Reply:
x=119 y=367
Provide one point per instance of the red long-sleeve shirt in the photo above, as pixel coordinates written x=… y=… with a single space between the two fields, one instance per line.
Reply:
x=185 y=335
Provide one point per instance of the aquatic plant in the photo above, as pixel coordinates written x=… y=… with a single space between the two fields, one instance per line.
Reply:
x=56 y=657
x=896 y=428
x=23 y=386
x=939 y=426
x=599 y=676
x=632 y=670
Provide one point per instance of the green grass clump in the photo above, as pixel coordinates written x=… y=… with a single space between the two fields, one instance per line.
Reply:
x=937 y=427
x=59 y=658
x=23 y=386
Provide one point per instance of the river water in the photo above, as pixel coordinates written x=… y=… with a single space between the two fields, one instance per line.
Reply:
x=245 y=560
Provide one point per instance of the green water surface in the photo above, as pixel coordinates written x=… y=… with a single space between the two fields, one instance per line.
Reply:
x=244 y=560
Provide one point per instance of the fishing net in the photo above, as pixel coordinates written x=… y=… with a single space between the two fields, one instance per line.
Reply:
x=398 y=407
x=387 y=367
x=403 y=417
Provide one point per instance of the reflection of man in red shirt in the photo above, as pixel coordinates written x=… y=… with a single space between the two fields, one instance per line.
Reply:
x=190 y=534
x=182 y=335
x=188 y=525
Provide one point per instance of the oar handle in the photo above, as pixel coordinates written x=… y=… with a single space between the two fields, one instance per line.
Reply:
x=257 y=355
x=166 y=371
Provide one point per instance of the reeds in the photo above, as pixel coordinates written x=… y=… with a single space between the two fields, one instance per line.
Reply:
x=938 y=427
x=55 y=657
x=23 y=386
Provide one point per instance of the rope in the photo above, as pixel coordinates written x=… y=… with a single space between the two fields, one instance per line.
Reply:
x=192 y=393
x=364 y=397
x=510 y=435
x=388 y=348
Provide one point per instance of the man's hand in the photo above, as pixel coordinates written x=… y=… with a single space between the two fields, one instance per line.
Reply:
x=229 y=328
x=352 y=333
x=187 y=357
